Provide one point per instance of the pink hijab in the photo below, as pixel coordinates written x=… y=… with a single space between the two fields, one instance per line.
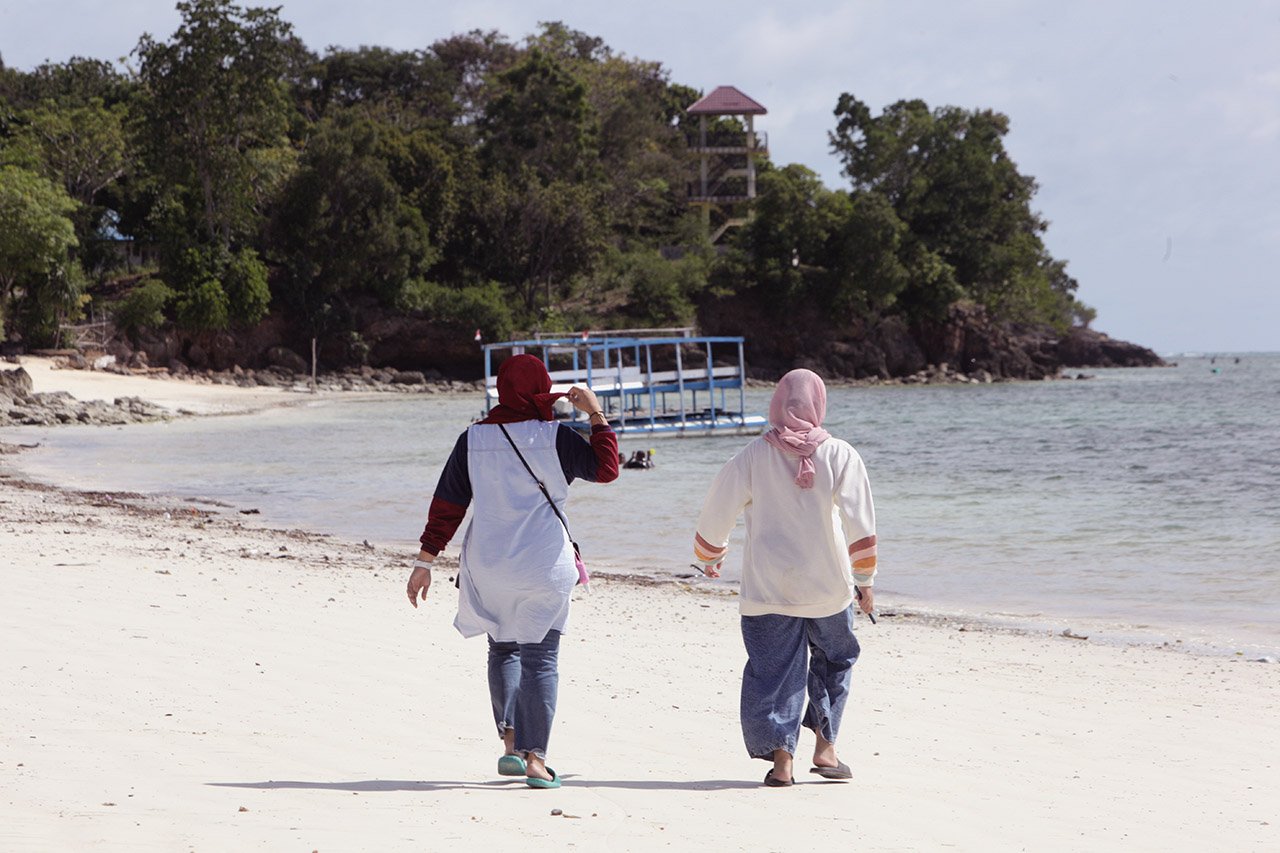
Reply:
x=796 y=411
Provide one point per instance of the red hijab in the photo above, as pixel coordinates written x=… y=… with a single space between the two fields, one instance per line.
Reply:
x=524 y=392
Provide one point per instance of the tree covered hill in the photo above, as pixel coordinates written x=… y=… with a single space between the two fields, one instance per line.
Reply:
x=231 y=192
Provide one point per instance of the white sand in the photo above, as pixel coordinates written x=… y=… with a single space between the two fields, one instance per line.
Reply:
x=189 y=395
x=182 y=683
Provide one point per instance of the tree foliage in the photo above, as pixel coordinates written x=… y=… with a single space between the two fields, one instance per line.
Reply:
x=143 y=307
x=39 y=281
x=541 y=121
x=213 y=102
x=478 y=182
x=947 y=176
x=344 y=224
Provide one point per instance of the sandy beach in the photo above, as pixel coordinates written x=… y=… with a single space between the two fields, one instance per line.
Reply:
x=187 y=396
x=185 y=677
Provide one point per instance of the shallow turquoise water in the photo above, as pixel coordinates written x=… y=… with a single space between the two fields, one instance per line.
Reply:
x=1139 y=503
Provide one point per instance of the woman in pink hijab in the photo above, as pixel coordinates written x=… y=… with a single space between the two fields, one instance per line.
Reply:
x=810 y=552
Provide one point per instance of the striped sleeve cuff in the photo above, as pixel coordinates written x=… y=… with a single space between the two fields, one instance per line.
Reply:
x=707 y=553
x=862 y=558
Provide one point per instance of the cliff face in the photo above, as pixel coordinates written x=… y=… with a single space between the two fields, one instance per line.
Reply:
x=967 y=340
x=1087 y=348
x=384 y=341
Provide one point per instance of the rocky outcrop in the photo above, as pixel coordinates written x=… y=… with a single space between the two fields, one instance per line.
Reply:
x=402 y=343
x=15 y=383
x=1086 y=348
x=965 y=345
x=970 y=341
x=19 y=406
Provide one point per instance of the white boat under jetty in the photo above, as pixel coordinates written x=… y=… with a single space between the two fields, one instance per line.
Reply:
x=649 y=382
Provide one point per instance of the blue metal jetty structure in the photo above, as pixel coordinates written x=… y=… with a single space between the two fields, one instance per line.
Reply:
x=649 y=382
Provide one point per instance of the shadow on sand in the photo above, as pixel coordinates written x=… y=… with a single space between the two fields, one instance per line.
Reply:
x=383 y=785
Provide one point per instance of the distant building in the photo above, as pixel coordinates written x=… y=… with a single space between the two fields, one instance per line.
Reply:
x=725 y=184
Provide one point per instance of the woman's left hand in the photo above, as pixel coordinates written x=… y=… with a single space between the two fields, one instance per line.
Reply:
x=583 y=399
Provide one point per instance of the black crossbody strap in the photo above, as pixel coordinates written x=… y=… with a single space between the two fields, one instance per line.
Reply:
x=545 y=493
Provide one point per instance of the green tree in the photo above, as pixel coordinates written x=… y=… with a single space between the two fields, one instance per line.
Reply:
x=643 y=156
x=949 y=179
x=785 y=240
x=343 y=225
x=481 y=306
x=470 y=61
x=214 y=102
x=76 y=81
x=244 y=278
x=541 y=120
x=865 y=256
x=143 y=307
x=68 y=122
x=81 y=146
x=213 y=115
x=39 y=283
x=406 y=89
x=535 y=237
x=658 y=291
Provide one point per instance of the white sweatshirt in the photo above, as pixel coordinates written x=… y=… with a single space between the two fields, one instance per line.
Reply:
x=805 y=548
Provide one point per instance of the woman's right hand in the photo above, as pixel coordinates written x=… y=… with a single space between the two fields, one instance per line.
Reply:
x=420 y=577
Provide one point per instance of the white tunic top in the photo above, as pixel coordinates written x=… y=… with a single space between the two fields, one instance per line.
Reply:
x=517 y=569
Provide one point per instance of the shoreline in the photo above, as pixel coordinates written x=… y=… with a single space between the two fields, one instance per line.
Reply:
x=208 y=394
x=183 y=675
x=1094 y=631
x=204 y=399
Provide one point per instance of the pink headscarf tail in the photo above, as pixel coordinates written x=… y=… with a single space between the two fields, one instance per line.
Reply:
x=796 y=412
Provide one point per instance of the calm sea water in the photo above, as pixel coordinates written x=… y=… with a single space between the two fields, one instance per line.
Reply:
x=1139 y=504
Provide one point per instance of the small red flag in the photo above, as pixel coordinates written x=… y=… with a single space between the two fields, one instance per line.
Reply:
x=478 y=335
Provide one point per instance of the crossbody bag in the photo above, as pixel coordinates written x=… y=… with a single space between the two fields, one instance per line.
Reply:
x=583 y=577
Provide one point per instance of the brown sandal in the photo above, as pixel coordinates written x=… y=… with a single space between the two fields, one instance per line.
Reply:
x=840 y=772
x=774 y=782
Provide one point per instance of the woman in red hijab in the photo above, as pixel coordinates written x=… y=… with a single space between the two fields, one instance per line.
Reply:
x=516 y=564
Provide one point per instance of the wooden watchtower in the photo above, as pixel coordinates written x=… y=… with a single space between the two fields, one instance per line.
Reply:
x=726 y=158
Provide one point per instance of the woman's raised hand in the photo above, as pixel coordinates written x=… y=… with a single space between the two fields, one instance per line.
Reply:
x=583 y=399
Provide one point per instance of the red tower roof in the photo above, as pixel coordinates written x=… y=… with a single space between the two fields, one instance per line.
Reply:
x=726 y=101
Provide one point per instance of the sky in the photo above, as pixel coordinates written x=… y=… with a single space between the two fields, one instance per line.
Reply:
x=1151 y=126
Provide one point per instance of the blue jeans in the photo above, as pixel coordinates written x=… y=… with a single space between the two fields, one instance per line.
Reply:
x=523 y=684
x=774 y=680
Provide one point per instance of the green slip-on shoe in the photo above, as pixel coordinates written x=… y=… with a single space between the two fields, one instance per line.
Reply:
x=553 y=782
x=511 y=765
